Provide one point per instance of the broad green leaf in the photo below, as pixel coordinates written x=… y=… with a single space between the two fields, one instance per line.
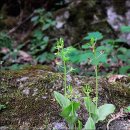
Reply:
x=15 y=67
x=128 y=53
x=42 y=58
x=122 y=50
x=73 y=107
x=34 y=19
x=79 y=125
x=95 y=116
x=109 y=48
x=69 y=113
x=90 y=106
x=73 y=54
x=124 y=69
x=125 y=29
x=50 y=56
x=86 y=46
x=40 y=10
x=5 y=41
x=114 y=59
x=127 y=109
x=66 y=111
x=90 y=125
x=120 y=40
x=45 y=57
x=38 y=34
x=101 y=48
x=122 y=57
x=2 y=107
x=85 y=56
x=101 y=58
x=71 y=119
x=46 y=26
x=62 y=100
x=46 y=39
x=105 y=110
x=95 y=35
x=108 y=41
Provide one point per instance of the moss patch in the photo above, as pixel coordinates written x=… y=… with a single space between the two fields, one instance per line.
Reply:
x=28 y=96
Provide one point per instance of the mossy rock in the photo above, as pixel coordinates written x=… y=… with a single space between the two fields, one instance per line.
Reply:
x=29 y=100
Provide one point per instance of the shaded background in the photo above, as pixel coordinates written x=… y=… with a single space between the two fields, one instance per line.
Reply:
x=29 y=30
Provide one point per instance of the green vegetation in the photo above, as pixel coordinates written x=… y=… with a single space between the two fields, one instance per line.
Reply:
x=29 y=38
x=2 y=107
x=115 y=56
x=69 y=108
x=95 y=113
x=5 y=40
x=37 y=47
x=127 y=109
x=68 y=105
x=40 y=41
x=114 y=60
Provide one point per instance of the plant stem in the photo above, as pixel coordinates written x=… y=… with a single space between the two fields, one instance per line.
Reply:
x=71 y=126
x=96 y=72
x=65 y=72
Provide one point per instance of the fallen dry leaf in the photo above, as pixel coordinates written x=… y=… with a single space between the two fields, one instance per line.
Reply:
x=25 y=56
x=4 y=50
x=114 y=78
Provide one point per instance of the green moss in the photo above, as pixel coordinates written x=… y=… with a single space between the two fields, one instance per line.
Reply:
x=28 y=95
x=27 y=100
x=116 y=92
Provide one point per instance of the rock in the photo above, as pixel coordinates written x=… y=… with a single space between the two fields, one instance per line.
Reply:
x=4 y=128
x=30 y=102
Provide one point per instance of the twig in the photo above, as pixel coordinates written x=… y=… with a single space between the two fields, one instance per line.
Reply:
x=108 y=24
x=21 y=23
x=114 y=117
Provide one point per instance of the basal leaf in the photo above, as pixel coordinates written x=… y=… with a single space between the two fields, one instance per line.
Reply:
x=62 y=100
x=105 y=110
x=73 y=107
x=90 y=125
x=69 y=113
x=90 y=106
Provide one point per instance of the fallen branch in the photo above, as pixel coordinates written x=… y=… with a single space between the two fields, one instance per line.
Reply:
x=20 y=24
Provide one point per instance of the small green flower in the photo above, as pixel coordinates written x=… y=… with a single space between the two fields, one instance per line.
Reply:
x=87 y=89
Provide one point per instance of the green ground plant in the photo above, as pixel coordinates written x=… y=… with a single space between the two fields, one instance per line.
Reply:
x=114 y=54
x=127 y=109
x=96 y=113
x=37 y=47
x=69 y=107
x=40 y=41
x=2 y=107
x=5 y=40
x=116 y=58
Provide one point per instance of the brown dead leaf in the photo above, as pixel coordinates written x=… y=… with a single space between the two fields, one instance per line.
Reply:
x=114 y=78
x=4 y=50
x=24 y=56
